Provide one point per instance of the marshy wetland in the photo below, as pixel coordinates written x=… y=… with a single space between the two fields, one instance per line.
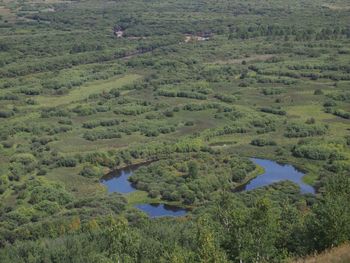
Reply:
x=89 y=90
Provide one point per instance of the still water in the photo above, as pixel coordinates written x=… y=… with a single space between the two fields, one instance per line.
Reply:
x=118 y=181
x=275 y=172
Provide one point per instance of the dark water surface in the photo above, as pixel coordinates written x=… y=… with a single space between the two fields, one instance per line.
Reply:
x=275 y=172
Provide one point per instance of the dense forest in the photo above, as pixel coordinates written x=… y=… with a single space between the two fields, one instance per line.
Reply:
x=191 y=92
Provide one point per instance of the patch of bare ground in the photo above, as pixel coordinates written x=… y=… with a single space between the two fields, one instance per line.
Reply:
x=339 y=254
x=247 y=59
x=198 y=37
x=336 y=7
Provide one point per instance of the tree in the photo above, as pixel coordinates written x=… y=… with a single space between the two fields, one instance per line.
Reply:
x=192 y=169
x=252 y=232
x=208 y=249
x=329 y=224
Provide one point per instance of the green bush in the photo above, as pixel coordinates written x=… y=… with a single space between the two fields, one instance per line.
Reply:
x=262 y=142
x=295 y=130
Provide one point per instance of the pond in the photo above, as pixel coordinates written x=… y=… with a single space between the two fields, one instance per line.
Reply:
x=275 y=172
x=118 y=181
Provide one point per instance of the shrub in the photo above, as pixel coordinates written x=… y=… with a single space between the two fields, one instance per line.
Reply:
x=66 y=162
x=295 y=130
x=7 y=144
x=342 y=113
x=6 y=114
x=318 y=92
x=276 y=111
x=329 y=103
x=317 y=151
x=262 y=142
x=91 y=171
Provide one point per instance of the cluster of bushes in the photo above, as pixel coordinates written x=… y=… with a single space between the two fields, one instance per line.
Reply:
x=91 y=171
x=272 y=91
x=288 y=31
x=84 y=110
x=264 y=79
x=231 y=129
x=338 y=166
x=277 y=111
x=264 y=124
x=104 y=123
x=329 y=103
x=262 y=142
x=32 y=128
x=154 y=132
x=299 y=75
x=9 y=96
x=22 y=164
x=316 y=150
x=182 y=94
x=295 y=130
x=191 y=178
x=31 y=91
x=338 y=112
x=66 y=162
x=226 y=98
x=112 y=94
x=343 y=96
x=6 y=113
x=54 y=112
x=202 y=106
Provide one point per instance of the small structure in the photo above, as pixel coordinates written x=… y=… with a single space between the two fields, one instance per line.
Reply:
x=118 y=31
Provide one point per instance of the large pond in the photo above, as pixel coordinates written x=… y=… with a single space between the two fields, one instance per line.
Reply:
x=275 y=172
x=118 y=181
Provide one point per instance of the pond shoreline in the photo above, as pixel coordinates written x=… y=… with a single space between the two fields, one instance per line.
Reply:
x=286 y=172
x=118 y=181
x=267 y=172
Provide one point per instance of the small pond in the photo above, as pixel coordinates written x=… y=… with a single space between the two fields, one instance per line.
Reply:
x=118 y=181
x=276 y=172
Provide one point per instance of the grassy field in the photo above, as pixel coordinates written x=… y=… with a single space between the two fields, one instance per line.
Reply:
x=84 y=92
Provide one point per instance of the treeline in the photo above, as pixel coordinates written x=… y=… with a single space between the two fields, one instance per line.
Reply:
x=298 y=34
x=182 y=94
